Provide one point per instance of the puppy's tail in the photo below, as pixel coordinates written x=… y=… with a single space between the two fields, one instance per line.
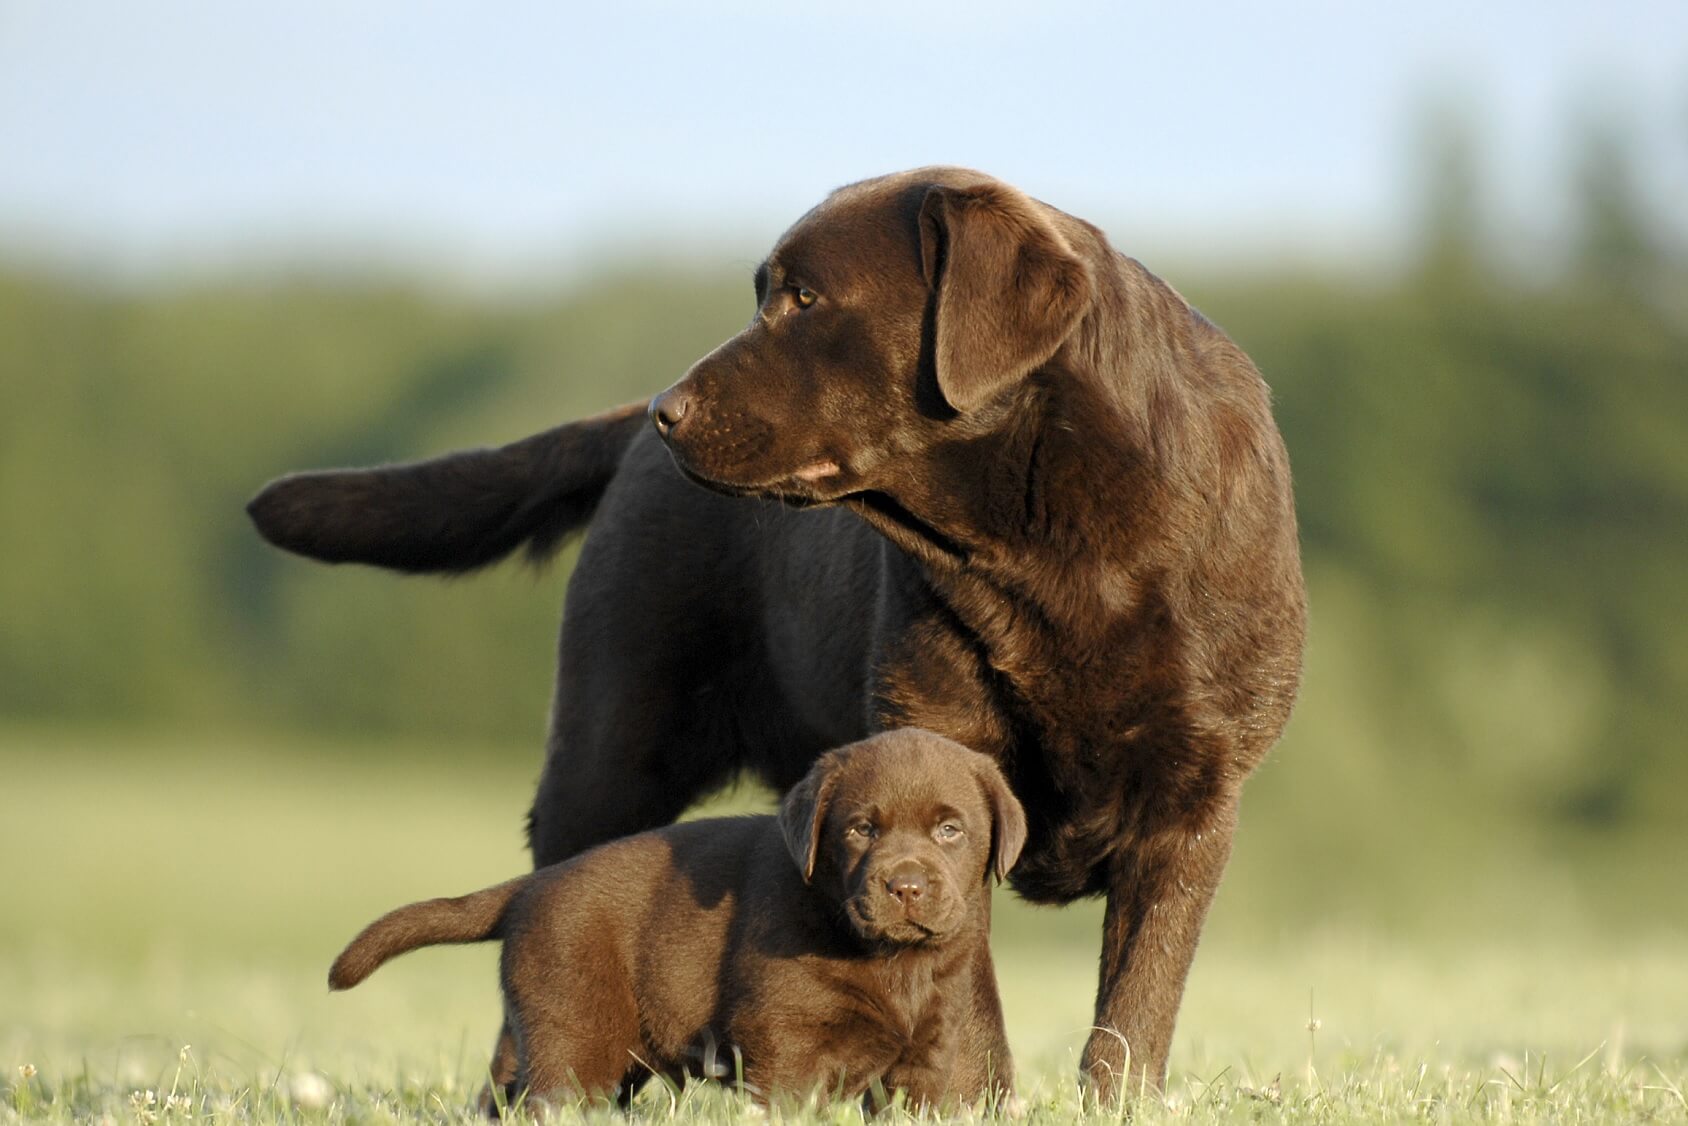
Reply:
x=468 y=918
x=453 y=513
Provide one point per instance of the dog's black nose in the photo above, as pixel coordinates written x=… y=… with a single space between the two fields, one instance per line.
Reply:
x=906 y=887
x=668 y=408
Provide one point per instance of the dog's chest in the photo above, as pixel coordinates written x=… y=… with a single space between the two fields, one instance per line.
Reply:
x=1003 y=680
x=1094 y=721
x=901 y=1003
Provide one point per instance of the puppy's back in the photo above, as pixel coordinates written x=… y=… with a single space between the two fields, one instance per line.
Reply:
x=660 y=904
x=659 y=909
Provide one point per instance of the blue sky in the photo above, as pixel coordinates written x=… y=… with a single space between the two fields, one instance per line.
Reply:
x=495 y=140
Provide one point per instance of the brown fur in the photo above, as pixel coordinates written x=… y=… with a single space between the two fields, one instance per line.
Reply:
x=1010 y=487
x=842 y=946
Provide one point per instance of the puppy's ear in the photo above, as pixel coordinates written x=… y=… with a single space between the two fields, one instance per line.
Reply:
x=1008 y=819
x=1009 y=288
x=803 y=813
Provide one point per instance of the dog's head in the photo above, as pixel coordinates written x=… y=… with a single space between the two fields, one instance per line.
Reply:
x=905 y=831
x=888 y=321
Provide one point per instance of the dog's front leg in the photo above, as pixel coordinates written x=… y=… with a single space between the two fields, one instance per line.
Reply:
x=1159 y=893
x=983 y=1067
x=958 y=1057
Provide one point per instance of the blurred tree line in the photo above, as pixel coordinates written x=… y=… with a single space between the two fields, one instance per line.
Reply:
x=1492 y=473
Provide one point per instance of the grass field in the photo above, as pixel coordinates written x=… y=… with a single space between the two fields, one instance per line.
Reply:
x=167 y=915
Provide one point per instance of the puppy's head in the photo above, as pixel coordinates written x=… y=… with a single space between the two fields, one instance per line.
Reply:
x=888 y=320
x=904 y=830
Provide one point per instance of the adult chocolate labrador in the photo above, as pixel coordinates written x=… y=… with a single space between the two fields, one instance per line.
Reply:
x=968 y=468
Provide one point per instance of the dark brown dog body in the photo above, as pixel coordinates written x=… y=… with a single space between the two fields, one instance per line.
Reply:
x=832 y=948
x=1055 y=525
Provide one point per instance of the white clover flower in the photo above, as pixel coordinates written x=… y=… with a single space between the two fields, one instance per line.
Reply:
x=310 y=1090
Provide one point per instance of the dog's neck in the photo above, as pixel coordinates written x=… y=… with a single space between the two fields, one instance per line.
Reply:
x=916 y=976
x=1035 y=513
x=1078 y=464
x=1051 y=537
x=1101 y=528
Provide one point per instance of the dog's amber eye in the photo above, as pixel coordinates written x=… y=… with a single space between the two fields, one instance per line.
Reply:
x=805 y=297
x=863 y=829
x=948 y=831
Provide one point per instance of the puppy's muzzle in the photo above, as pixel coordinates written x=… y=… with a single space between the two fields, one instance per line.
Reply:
x=907 y=887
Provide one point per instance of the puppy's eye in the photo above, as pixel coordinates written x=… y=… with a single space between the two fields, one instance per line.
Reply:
x=948 y=831
x=863 y=829
x=804 y=297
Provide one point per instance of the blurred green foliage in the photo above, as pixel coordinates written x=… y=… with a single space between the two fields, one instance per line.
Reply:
x=1492 y=477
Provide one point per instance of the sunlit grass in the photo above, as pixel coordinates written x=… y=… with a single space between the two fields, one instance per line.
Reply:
x=168 y=917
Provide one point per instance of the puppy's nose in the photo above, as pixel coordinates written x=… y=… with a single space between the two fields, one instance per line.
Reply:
x=906 y=887
x=668 y=408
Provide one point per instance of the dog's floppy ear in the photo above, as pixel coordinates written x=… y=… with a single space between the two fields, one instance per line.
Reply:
x=1008 y=818
x=803 y=813
x=1009 y=288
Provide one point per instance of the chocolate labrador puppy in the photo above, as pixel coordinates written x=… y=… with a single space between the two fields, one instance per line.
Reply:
x=967 y=468
x=829 y=948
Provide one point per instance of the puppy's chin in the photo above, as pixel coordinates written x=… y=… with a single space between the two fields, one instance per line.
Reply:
x=888 y=927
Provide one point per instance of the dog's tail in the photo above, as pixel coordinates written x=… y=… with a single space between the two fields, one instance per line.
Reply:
x=451 y=513
x=468 y=918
